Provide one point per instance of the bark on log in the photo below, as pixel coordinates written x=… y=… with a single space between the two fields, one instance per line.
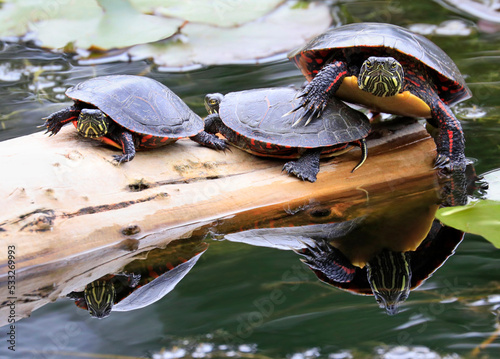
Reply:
x=74 y=216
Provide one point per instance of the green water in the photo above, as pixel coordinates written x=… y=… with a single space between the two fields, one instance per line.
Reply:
x=226 y=303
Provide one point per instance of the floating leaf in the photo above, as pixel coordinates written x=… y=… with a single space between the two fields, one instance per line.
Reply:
x=117 y=25
x=492 y=178
x=482 y=217
x=16 y=16
x=222 y=13
x=200 y=44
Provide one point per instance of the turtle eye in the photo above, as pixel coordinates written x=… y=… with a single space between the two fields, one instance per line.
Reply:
x=393 y=65
x=368 y=63
x=213 y=102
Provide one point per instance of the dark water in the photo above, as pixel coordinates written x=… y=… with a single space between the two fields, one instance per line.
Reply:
x=227 y=306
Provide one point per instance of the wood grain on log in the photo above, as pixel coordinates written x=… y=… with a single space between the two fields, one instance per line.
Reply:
x=74 y=216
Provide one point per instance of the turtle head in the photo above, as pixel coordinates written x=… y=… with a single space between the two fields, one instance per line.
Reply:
x=93 y=123
x=212 y=102
x=389 y=275
x=100 y=297
x=381 y=76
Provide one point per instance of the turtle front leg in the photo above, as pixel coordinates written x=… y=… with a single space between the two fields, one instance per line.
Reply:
x=306 y=167
x=316 y=94
x=207 y=138
x=212 y=123
x=450 y=141
x=329 y=260
x=57 y=120
x=126 y=140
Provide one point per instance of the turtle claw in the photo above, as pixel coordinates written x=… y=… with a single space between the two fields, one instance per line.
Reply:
x=292 y=111
x=297 y=122
x=52 y=124
x=311 y=248
x=327 y=259
x=442 y=162
x=210 y=140
x=294 y=167
x=315 y=104
x=311 y=116
x=445 y=164
x=219 y=144
x=123 y=158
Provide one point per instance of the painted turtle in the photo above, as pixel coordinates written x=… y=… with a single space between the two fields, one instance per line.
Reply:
x=389 y=69
x=142 y=282
x=390 y=275
x=253 y=121
x=130 y=112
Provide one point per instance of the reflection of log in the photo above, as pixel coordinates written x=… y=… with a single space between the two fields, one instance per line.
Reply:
x=63 y=198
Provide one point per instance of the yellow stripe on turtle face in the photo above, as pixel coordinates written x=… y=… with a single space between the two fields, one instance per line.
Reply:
x=403 y=104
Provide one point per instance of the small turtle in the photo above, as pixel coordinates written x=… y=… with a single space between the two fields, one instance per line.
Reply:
x=389 y=69
x=130 y=112
x=143 y=281
x=254 y=121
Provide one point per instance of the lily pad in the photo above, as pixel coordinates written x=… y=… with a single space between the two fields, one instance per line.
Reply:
x=287 y=27
x=492 y=178
x=17 y=15
x=117 y=25
x=481 y=217
x=485 y=10
x=224 y=13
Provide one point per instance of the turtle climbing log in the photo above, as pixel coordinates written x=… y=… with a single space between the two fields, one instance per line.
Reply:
x=386 y=68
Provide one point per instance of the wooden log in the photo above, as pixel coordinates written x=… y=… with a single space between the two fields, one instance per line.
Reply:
x=74 y=216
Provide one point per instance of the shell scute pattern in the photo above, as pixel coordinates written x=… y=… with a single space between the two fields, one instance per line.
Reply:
x=146 y=107
x=384 y=40
x=258 y=115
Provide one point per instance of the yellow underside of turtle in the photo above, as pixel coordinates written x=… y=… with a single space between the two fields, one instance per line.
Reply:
x=403 y=104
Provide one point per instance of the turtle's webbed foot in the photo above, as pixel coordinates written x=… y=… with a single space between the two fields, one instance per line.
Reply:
x=134 y=280
x=315 y=95
x=123 y=158
x=301 y=170
x=329 y=260
x=306 y=167
x=313 y=101
x=447 y=165
x=211 y=141
x=443 y=162
x=219 y=144
x=53 y=124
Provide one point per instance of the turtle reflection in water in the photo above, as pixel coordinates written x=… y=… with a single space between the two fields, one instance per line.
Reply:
x=142 y=282
x=390 y=275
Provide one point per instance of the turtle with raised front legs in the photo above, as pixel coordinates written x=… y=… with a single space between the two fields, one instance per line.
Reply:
x=388 y=69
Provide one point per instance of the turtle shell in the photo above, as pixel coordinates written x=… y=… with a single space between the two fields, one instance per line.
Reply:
x=140 y=104
x=155 y=289
x=144 y=281
x=376 y=39
x=260 y=115
x=431 y=254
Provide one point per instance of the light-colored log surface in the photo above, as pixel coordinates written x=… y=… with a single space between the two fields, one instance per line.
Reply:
x=74 y=216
